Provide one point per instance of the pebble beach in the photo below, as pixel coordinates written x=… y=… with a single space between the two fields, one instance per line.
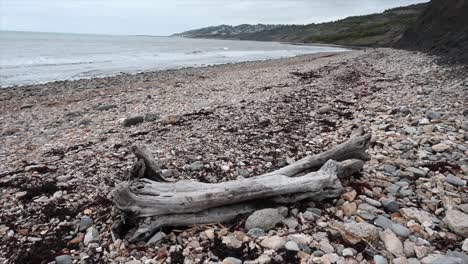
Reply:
x=65 y=145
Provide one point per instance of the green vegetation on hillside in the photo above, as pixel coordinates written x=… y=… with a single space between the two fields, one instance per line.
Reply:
x=382 y=29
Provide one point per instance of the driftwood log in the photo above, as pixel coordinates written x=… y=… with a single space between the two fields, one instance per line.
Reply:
x=148 y=201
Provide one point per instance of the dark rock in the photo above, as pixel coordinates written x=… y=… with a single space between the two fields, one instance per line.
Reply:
x=132 y=121
x=105 y=107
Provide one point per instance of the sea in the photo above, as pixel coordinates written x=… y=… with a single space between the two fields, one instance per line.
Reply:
x=33 y=58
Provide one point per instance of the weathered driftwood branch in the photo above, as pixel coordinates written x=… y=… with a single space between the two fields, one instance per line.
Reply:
x=354 y=148
x=151 y=202
x=149 y=198
x=146 y=166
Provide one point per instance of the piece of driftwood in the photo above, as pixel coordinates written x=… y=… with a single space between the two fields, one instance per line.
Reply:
x=150 y=202
x=150 y=198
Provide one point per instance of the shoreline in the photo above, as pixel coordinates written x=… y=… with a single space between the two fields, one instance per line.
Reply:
x=65 y=146
x=123 y=75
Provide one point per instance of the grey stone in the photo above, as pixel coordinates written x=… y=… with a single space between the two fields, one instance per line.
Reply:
x=448 y=260
x=416 y=214
x=326 y=247
x=390 y=205
x=324 y=109
x=196 y=166
x=404 y=109
x=231 y=260
x=291 y=222
x=393 y=189
x=266 y=219
x=454 y=180
x=92 y=235
x=424 y=121
x=132 y=121
x=433 y=114
x=166 y=173
x=380 y=260
x=373 y=202
x=242 y=172
x=413 y=261
x=386 y=223
x=360 y=231
x=383 y=222
x=390 y=169
x=64 y=259
x=400 y=230
x=318 y=253
x=417 y=172
x=151 y=117
x=458 y=254
x=292 y=246
x=441 y=147
x=457 y=221
x=156 y=238
x=256 y=232
x=317 y=212
x=309 y=216
x=232 y=242
x=347 y=252
x=411 y=129
x=392 y=243
x=105 y=107
x=85 y=223
x=274 y=242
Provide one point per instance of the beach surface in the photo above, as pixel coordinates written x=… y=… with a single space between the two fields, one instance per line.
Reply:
x=65 y=145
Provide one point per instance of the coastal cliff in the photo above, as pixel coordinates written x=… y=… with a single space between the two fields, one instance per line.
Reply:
x=383 y=29
x=442 y=29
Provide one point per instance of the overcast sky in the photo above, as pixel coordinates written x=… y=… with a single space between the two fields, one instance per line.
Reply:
x=164 y=17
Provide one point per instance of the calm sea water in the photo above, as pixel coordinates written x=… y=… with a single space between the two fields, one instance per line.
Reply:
x=31 y=58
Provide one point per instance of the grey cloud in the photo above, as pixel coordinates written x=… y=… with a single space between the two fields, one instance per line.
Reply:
x=157 y=17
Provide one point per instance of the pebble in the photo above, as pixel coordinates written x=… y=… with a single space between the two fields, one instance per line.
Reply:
x=232 y=242
x=380 y=260
x=156 y=238
x=417 y=172
x=92 y=235
x=424 y=121
x=348 y=252
x=324 y=109
x=441 y=148
x=454 y=180
x=292 y=246
x=373 y=202
x=355 y=232
x=457 y=221
x=390 y=205
x=392 y=243
x=196 y=166
x=63 y=259
x=348 y=208
x=85 y=223
x=231 y=260
x=256 y=232
x=132 y=121
x=349 y=196
x=433 y=115
x=266 y=219
x=275 y=243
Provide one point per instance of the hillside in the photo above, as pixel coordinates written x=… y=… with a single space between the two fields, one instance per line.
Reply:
x=225 y=30
x=381 y=29
x=442 y=29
